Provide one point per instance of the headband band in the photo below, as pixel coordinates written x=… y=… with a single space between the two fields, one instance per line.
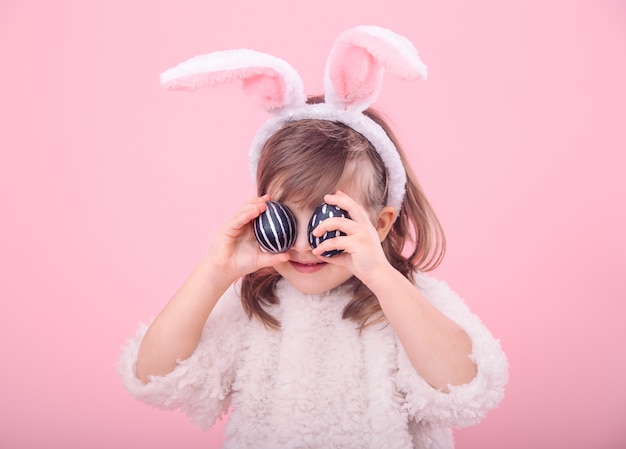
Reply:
x=352 y=82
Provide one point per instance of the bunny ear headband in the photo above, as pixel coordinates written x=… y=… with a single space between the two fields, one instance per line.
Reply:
x=352 y=81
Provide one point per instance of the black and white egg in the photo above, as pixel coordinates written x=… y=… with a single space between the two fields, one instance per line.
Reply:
x=321 y=213
x=275 y=229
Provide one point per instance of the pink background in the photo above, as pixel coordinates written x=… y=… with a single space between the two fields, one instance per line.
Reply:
x=112 y=187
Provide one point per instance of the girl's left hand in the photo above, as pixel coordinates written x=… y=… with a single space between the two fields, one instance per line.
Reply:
x=363 y=254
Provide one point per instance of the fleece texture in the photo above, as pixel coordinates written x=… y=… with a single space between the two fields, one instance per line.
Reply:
x=317 y=382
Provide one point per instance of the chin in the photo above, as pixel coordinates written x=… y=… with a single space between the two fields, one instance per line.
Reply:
x=313 y=290
x=325 y=280
x=316 y=287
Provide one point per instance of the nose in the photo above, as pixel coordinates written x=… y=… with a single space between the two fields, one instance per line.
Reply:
x=301 y=244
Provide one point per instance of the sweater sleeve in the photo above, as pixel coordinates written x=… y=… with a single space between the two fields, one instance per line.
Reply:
x=199 y=386
x=463 y=405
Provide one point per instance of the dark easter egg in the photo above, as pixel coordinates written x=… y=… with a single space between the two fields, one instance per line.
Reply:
x=275 y=229
x=321 y=213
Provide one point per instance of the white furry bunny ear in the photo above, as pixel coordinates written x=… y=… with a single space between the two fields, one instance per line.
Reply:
x=352 y=81
x=271 y=81
x=359 y=58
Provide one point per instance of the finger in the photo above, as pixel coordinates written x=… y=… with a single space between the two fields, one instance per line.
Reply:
x=347 y=203
x=342 y=259
x=330 y=225
x=248 y=212
x=268 y=259
x=340 y=243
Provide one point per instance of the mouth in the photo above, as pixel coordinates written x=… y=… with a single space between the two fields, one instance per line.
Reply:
x=307 y=267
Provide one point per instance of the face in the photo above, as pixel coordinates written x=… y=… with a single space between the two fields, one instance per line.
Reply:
x=305 y=271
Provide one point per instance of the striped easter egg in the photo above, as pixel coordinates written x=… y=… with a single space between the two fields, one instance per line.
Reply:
x=321 y=213
x=275 y=229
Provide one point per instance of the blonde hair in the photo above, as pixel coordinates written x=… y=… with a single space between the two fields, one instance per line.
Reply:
x=307 y=159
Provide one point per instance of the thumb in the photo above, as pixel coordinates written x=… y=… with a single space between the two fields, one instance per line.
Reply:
x=269 y=259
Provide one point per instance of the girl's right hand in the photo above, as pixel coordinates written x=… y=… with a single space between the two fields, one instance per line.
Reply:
x=234 y=250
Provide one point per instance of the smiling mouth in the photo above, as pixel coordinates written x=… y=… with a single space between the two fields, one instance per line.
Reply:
x=310 y=267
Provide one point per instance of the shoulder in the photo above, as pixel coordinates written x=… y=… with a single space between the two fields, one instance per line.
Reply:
x=229 y=307
x=428 y=284
x=438 y=292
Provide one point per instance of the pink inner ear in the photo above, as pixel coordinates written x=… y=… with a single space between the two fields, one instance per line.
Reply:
x=264 y=84
x=269 y=91
x=359 y=58
x=356 y=78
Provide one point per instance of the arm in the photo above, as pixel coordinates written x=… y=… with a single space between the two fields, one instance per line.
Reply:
x=460 y=405
x=175 y=332
x=437 y=347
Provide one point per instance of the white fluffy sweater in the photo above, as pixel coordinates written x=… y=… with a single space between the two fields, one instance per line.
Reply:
x=318 y=383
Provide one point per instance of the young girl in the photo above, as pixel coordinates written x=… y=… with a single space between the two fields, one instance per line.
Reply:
x=358 y=350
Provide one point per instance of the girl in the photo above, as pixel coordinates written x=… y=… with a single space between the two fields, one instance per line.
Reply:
x=359 y=350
